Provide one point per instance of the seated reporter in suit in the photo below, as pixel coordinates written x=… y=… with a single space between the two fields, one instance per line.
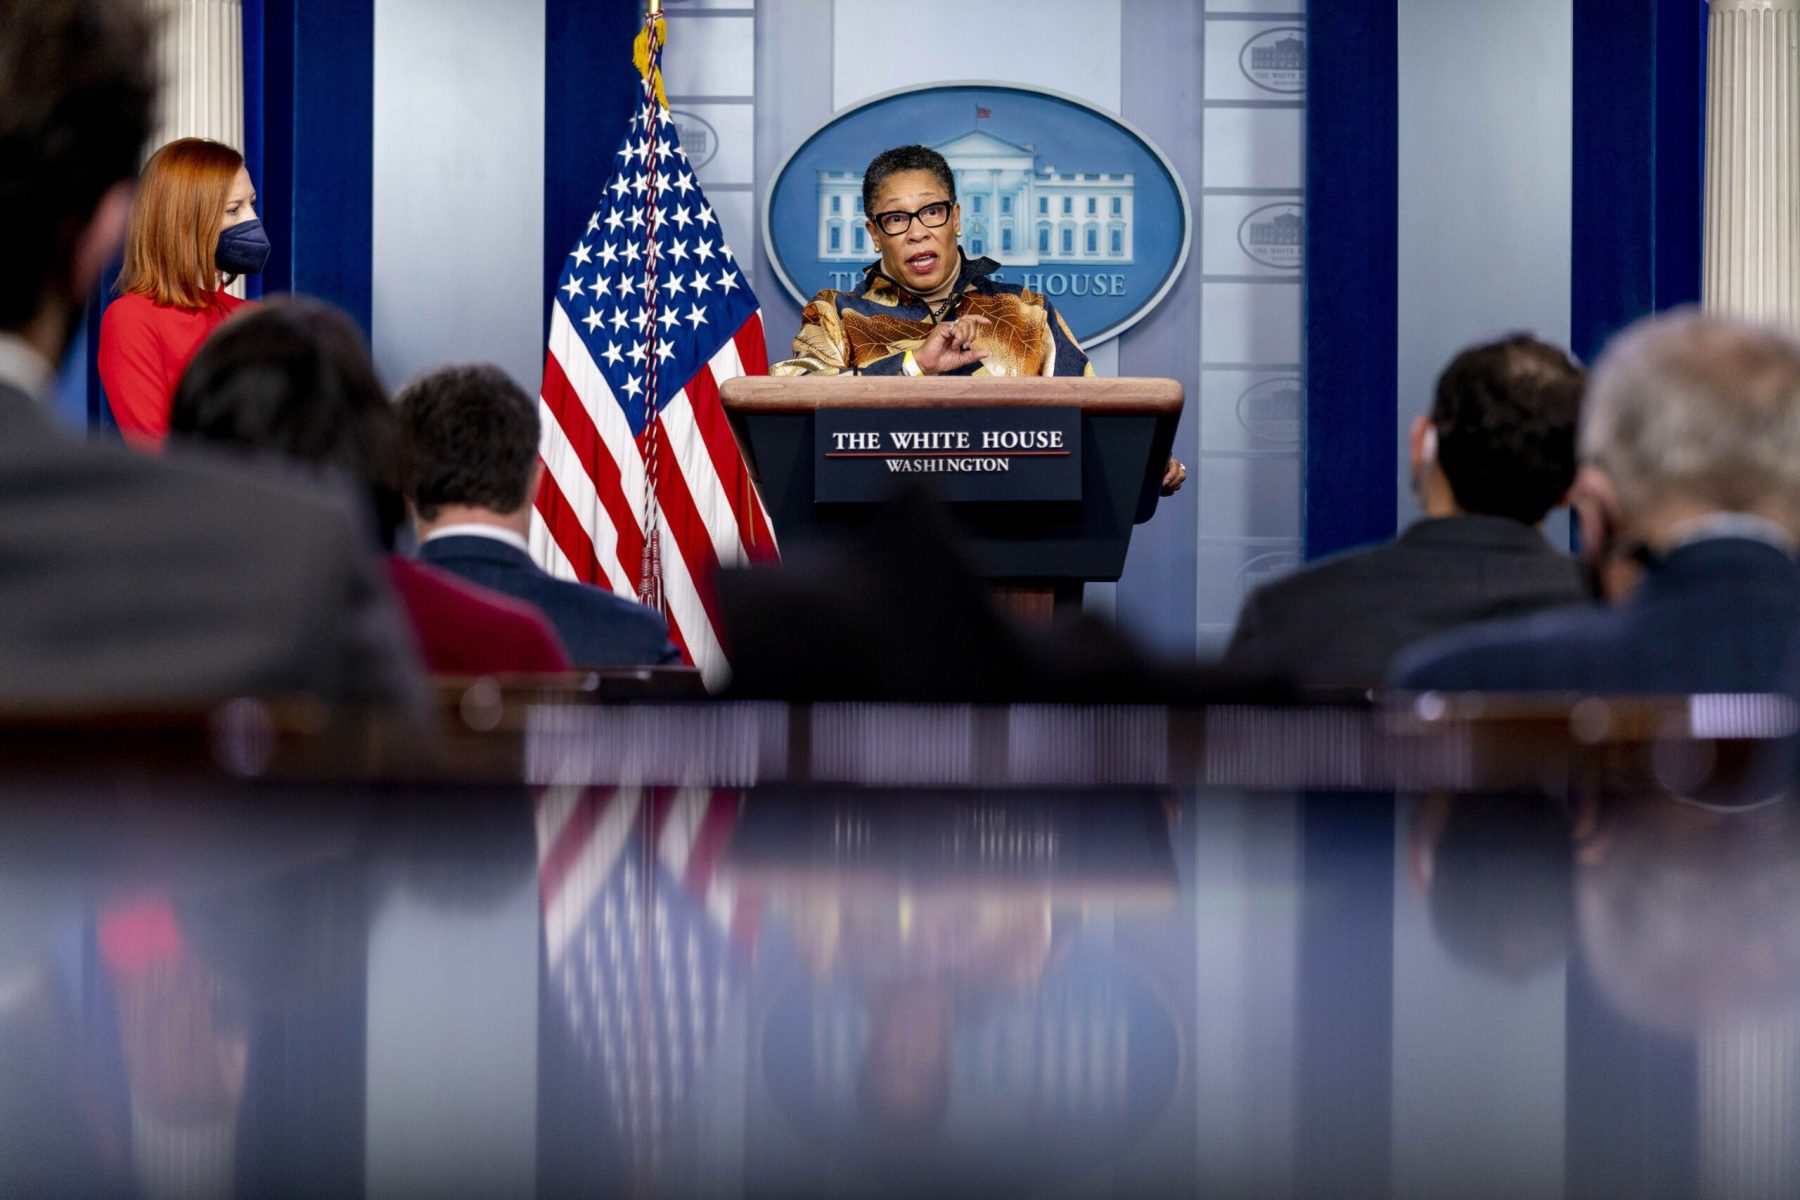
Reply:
x=129 y=580
x=472 y=439
x=1492 y=458
x=1689 y=504
x=295 y=379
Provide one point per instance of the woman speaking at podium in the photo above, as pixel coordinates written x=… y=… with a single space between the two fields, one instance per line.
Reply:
x=926 y=308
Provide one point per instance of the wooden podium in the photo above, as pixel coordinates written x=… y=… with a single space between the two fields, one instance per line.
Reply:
x=1035 y=540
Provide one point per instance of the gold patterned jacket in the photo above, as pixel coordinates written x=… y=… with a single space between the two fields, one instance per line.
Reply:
x=868 y=331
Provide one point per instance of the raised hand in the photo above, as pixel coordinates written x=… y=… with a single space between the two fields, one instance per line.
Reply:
x=950 y=345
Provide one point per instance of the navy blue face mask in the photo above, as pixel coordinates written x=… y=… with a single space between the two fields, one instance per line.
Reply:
x=243 y=249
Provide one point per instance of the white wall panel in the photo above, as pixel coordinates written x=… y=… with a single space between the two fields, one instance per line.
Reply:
x=1257 y=411
x=459 y=186
x=721 y=143
x=1251 y=497
x=1228 y=56
x=1252 y=322
x=710 y=56
x=1070 y=46
x=1485 y=185
x=1255 y=147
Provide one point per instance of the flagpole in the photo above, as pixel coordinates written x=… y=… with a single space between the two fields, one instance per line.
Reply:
x=650 y=591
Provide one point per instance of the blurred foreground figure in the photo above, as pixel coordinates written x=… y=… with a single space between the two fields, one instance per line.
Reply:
x=897 y=612
x=1689 y=503
x=1492 y=458
x=128 y=581
x=295 y=378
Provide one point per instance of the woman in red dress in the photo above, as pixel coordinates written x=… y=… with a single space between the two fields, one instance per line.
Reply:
x=193 y=230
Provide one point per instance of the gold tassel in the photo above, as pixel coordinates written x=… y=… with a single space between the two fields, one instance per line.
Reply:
x=640 y=50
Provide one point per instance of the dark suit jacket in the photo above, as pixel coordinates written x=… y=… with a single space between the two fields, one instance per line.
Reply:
x=127 y=579
x=1712 y=616
x=1341 y=621
x=599 y=628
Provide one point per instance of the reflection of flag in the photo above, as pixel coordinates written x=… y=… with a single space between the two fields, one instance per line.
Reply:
x=643 y=944
x=981 y=113
x=585 y=834
x=644 y=490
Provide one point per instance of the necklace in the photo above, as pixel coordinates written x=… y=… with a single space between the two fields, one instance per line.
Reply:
x=939 y=312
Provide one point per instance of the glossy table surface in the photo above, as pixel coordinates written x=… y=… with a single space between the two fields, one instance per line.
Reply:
x=692 y=950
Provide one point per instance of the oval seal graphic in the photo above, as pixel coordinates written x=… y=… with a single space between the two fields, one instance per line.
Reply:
x=1265 y=568
x=698 y=137
x=1069 y=199
x=1271 y=410
x=1275 y=60
x=1275 y=236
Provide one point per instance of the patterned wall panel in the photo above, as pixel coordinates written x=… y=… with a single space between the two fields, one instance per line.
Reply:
x=1252 y=222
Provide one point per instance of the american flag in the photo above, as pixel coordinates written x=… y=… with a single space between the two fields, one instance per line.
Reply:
x=645 y=492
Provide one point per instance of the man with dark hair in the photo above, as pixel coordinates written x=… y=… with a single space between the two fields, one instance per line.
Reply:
x=472 y=472
x=137 y=581
x=1492 y=458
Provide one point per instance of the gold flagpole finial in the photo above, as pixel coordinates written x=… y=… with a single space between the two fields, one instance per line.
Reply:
x=655 y=8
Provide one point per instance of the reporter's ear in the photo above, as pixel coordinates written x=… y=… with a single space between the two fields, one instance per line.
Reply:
x=1596 y=505
x=1421 y=443
x=101 y=237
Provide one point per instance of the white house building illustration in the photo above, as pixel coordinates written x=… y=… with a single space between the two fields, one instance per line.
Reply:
x=1012 y=210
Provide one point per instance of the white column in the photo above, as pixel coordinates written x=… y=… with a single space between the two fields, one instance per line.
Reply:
x=200 y=49
x=1752 y=251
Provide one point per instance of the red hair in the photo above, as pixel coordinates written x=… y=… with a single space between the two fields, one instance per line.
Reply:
x=175 y=221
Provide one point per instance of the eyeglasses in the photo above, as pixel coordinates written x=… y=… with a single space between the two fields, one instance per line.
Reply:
x=898 y=222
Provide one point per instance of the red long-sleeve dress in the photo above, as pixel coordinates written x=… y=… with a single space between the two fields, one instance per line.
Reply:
x=144 y=348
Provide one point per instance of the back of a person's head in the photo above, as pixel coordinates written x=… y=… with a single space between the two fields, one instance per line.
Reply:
x=1506 y=415
x=472 y=440
x=1698 y=409
x=294 y=376
x=175 y=220
x=77 y=88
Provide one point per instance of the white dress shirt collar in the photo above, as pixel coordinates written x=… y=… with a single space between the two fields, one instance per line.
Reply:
x=472 y=529
x=1730 y=525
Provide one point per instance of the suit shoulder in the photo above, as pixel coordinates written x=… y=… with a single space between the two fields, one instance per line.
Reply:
x=1500 y=654
x=1314 y=582
x=600 y=599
